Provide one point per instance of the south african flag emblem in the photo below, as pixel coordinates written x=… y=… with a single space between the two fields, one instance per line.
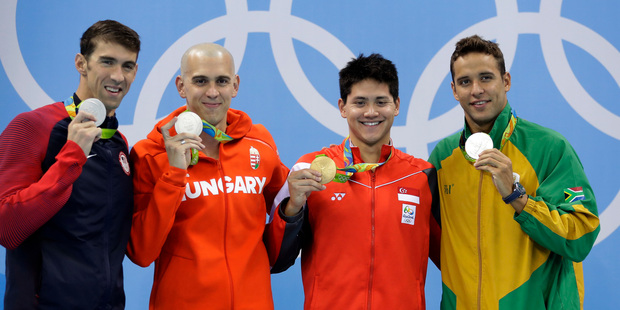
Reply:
x=573 y=194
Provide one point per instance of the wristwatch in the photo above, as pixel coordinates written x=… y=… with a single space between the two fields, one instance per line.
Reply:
x=517 y=192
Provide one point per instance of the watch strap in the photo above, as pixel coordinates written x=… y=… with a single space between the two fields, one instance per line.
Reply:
x=517 y=192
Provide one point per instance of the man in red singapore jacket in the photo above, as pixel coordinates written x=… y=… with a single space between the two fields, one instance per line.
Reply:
x=201 y=200
x=365 y=237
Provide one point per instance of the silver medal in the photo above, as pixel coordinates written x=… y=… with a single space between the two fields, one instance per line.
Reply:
x=188 y=122
x=95 y=107
x=477 y=143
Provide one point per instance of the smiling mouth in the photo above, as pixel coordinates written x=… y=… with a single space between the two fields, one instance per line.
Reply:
x=371 y=123
x=114 y=90
x=479 y=103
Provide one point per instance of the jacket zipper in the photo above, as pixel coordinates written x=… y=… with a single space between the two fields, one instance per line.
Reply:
x=480 y=242
x=106 y=233
x=372 y=238
x=230 y=278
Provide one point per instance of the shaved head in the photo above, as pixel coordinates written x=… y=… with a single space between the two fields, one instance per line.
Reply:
x=208 y=82
x=208 y=50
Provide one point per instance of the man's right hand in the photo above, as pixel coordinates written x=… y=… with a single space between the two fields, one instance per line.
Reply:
x=82 y=130
x=300 y=184
x=179 y=147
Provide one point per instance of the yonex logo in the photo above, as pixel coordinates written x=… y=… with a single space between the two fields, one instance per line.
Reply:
x=338 y=196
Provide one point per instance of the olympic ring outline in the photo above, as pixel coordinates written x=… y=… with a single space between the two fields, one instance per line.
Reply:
x=320 y=109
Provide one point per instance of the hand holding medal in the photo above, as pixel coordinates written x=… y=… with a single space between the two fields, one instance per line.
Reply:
x=187 y=122
x=81 y=130
x=326 y=166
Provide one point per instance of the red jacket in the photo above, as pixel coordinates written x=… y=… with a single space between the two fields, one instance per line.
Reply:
x=204 y=226
x=365 y=243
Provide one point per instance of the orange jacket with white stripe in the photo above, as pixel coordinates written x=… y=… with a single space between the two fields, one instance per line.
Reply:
x=203 y=227
x=364 y=243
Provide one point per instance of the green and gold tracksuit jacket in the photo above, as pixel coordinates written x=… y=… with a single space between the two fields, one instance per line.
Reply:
x=493 y=258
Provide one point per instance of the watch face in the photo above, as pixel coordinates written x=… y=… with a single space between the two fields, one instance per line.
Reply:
x=519 y=188
x=518 y=192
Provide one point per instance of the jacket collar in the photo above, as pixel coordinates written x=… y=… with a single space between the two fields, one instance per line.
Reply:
x=499 y=126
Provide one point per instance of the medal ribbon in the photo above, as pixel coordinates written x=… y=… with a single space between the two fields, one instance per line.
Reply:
x=505 y=136
x=351 y=168
x=217 y=134
x=72 y=110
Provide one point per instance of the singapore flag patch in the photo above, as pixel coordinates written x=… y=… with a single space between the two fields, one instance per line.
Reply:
x=410 y=198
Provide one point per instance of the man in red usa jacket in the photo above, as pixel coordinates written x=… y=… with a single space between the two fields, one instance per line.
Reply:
x=365 y=237
x=65 y=186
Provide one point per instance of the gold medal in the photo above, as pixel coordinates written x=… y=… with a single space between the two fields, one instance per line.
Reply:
x=326 y=166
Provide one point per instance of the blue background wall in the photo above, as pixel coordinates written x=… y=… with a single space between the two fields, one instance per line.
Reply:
x=563 y=57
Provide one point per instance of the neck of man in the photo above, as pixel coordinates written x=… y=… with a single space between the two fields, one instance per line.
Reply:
x=369 y=153
x=84 y=93
x=212 y=146
x=474 y=128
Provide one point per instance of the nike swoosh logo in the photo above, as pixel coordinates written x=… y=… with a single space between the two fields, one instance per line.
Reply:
x=91 y=155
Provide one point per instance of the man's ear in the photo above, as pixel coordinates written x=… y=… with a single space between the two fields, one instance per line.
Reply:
x=507 y=81
x=341 y=104
x=179 y=83
x=236 y=83
x=80 y=64
x=397 y=106
x=456 y=96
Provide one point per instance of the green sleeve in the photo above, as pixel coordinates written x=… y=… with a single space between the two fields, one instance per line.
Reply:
x=557 y=218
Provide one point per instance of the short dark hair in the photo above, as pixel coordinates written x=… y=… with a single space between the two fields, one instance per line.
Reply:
x=109 y=31
x=371 y=67
x=475 y=44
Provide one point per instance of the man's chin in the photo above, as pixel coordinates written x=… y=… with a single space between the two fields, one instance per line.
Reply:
x=111 y=105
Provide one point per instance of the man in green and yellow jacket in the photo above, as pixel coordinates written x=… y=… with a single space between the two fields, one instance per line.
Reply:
x=518 y=218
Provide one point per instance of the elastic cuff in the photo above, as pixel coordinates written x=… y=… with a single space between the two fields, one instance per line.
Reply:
x=175 y=176
x=293 y=218
x=526 y=212
x=73 y=152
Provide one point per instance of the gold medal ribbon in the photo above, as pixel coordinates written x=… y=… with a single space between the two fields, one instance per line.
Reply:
x=351 y=168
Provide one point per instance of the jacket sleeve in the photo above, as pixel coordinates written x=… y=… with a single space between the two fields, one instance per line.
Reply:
x=435 y=218
x=562 y=216
x=157 y=196
x=29 y=197
x=283 y=235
